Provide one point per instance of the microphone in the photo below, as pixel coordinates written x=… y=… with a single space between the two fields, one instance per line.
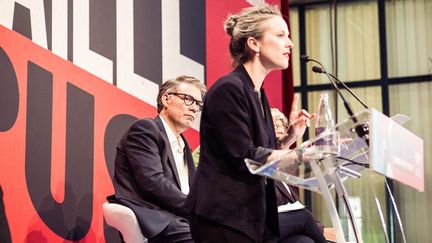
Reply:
x=306 y=58
x=317 y=69
x=362 y=130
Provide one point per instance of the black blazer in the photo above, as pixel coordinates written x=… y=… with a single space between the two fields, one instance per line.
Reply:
x=235 y=126
x=146 y=178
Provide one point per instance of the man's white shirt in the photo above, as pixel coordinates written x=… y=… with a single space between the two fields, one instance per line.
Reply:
x=290 y=206
x=177 y=147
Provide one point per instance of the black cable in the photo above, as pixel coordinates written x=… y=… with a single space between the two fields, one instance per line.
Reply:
x=352 y=162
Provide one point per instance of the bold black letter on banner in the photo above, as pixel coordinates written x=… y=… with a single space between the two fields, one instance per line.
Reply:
x=115 y=129
x=22 y=21
x=70 y=219
x=148 y=39
x=9 y=95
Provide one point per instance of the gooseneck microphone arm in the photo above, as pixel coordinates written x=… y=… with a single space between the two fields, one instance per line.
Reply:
x=347 y=105
x=362 y=130
x=317 y=69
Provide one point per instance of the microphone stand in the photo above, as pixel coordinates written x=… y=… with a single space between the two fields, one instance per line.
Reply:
x=345 y=102
x=362 y=130
x=317 y=69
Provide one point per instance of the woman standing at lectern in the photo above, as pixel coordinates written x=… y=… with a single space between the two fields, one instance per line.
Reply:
x=227 y=202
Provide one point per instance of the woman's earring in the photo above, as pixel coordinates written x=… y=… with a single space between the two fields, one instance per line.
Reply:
x=257 y=55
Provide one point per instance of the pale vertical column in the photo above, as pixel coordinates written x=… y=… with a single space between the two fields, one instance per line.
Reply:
x=6 y=13
x=82 y=55
x=127 y=79
x=60 y=28
x=37 y=18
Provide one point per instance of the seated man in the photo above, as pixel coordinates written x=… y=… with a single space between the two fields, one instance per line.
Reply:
x=154 y=167
x=296 y=223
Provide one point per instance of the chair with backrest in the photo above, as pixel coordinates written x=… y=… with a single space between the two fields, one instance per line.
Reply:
x=124 y=220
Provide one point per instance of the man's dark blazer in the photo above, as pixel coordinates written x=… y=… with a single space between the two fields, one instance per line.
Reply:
x=235 y=126
x=146 y=178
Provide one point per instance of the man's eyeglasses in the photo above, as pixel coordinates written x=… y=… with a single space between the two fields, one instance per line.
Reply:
x=189 y=100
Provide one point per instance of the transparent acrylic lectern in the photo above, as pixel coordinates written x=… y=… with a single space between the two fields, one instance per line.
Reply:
x=368 y=139
x=327 y=160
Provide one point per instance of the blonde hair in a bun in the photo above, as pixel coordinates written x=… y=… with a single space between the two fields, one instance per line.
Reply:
x=247 y=23
x=230 y=24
